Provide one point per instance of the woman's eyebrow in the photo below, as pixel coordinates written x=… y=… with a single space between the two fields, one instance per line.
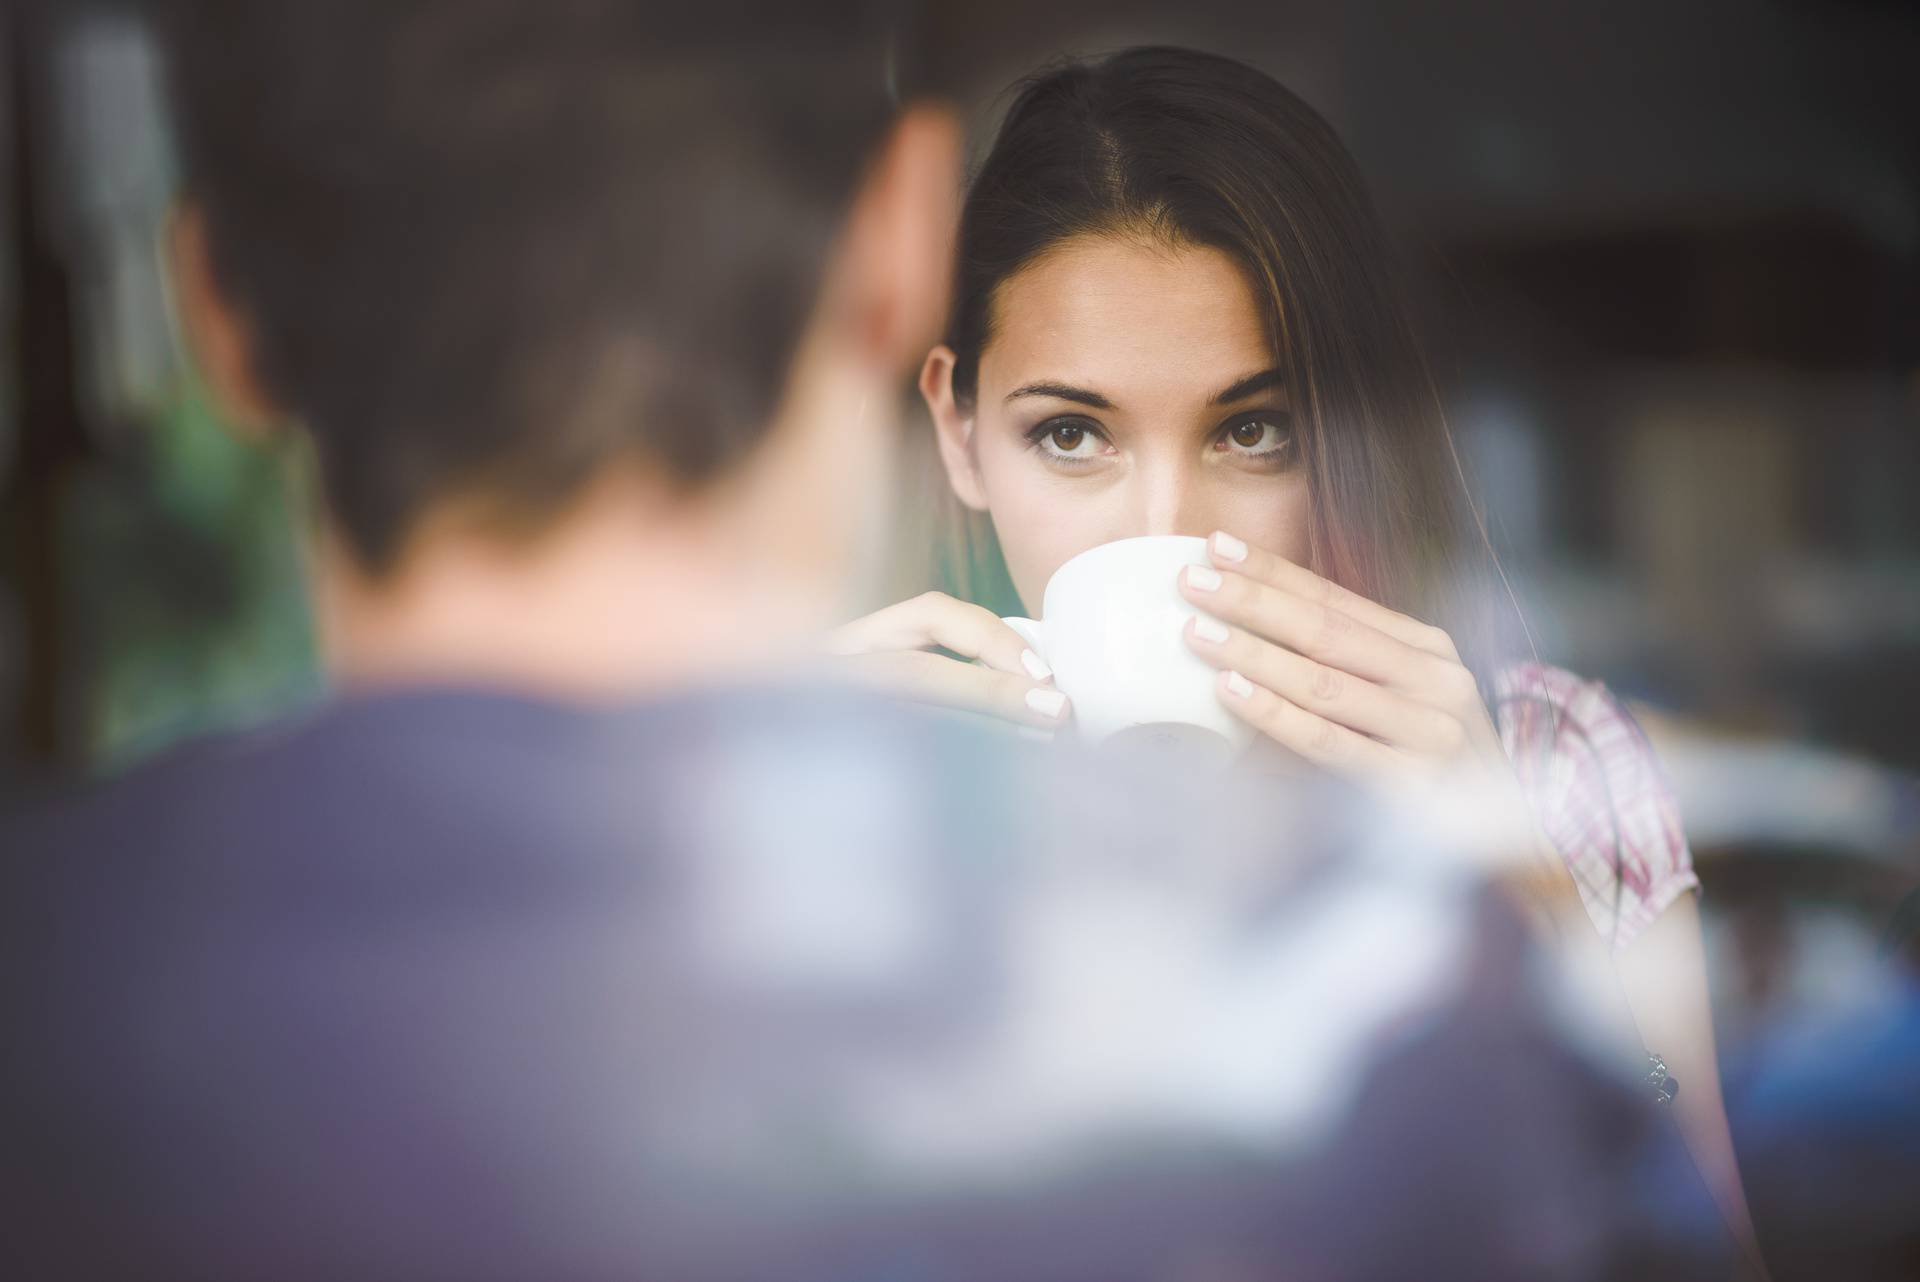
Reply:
x=1064 y=392
x=1265 y=379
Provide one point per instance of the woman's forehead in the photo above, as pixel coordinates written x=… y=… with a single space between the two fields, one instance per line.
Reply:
x=1118 y=313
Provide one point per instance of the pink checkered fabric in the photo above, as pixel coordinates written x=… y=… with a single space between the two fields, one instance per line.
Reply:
x=1599 y=794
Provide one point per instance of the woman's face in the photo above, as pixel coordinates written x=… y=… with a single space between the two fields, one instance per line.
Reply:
x=1128 y=388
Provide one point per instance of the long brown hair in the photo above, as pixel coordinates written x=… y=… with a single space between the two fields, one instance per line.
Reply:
x=1196 y=149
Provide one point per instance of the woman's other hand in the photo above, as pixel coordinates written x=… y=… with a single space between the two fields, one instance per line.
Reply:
x=892 y=650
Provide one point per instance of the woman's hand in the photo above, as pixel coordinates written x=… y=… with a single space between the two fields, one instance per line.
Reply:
x=890 y=650
x=1355 y=687
x=1341 y=680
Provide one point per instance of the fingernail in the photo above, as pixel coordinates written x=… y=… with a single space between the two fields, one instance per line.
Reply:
x=1209 y=629
x=1228 y=548
x=1036 y=666
x=1048 y=703
x=1239 y=686
x=1202 y=578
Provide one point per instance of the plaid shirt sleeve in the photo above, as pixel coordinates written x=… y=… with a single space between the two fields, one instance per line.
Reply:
x=1599 y=793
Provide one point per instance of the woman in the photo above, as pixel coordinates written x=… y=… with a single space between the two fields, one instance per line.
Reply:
x=1173 y=315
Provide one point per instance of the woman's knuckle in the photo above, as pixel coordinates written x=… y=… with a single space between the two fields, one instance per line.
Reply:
x=1446 y=733
x=1437 y=640
x=1328 y=628
x=1326 y=684
x=1458 y=685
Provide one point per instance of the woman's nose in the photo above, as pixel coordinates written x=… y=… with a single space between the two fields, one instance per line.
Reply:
x=1174 y=502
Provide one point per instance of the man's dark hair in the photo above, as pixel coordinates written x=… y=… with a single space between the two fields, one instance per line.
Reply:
x=490 y=247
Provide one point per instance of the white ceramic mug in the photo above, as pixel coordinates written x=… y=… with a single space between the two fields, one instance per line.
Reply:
x=1111 y=629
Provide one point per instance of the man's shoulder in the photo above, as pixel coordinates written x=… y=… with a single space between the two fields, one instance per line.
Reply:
x=230 y=785
x=411 y=770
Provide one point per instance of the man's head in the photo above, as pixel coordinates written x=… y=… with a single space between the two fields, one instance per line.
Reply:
x=487 y=252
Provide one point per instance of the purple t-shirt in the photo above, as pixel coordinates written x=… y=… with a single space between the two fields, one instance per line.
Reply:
x=773 y=983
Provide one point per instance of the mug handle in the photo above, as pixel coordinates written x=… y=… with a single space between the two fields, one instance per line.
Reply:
x=1032 y=633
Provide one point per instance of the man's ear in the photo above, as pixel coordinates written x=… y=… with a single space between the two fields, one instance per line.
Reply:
x=218 y=336
x=899 y=246
x=952 y=428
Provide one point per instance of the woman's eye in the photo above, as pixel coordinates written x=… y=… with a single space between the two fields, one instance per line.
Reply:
x=1067 y=438
x=1257 y=435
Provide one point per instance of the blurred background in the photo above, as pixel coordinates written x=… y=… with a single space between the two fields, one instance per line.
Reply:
x=1670 y=256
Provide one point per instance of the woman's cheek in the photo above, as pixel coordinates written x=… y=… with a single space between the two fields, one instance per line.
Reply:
x=1273 y=515
x=1039 y=527
x=1037 y=540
